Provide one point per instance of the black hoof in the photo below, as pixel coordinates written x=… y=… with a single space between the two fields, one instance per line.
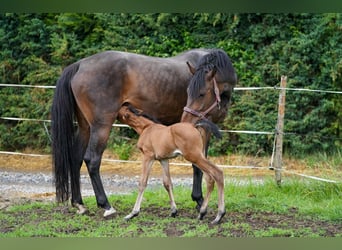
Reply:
x=202 y=214
x=218 y=218
x=174 y=213
x=199 y=201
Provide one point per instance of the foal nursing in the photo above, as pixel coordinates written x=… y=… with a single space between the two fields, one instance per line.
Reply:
x=159 y=142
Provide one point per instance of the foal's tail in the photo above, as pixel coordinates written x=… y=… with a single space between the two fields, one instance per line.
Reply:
x=63 y=131
x=209 y=127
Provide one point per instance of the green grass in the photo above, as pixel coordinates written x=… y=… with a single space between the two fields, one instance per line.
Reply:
x=310 y=198
x=296 y=209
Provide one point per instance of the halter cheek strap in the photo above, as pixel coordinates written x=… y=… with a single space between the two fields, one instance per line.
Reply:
x=216 y=103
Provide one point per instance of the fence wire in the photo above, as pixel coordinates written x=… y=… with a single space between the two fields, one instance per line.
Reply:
x=185 y=164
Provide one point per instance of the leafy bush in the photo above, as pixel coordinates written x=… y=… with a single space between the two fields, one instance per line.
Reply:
x=305 y=47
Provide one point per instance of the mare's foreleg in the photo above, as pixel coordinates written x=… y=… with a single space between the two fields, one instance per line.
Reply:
x=98 y=141
x=197 y=194
x=168 y=186
x=146 y=169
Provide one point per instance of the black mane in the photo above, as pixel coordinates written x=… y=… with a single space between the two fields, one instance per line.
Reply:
x=209 y=126
x=217 y=59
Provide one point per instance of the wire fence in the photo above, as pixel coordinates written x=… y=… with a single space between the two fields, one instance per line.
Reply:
x=235 y=89
x=184 y=164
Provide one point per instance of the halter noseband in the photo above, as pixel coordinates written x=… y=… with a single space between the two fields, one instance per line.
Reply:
x=217 y=102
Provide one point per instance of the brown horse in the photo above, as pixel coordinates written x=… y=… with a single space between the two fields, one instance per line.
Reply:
x=91 y=92
x=160 y=142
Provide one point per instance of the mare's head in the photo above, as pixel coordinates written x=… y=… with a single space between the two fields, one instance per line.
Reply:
x=210 y=88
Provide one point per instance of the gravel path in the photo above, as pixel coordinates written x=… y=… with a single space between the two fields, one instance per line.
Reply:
x=40 y=185
x=34 y=184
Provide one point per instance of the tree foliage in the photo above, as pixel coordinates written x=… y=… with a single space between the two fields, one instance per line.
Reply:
x=305 y=47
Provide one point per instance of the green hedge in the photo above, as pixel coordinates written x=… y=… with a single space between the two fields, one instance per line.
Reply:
x=305 y=47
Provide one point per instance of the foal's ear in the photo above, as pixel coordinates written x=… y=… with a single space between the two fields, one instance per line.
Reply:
x=191 y=68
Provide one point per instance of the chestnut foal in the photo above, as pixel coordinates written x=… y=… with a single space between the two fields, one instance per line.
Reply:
x=160 y=142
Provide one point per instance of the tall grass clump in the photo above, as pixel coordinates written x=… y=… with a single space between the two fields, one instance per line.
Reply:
x=315 y=199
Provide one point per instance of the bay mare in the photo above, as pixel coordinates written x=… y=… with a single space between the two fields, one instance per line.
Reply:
x=160 y=142
x=91 y=92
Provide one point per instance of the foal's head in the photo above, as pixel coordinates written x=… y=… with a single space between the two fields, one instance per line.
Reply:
x=210 y=88
x=134 y=117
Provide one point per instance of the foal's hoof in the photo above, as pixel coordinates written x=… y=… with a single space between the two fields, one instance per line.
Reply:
x=202 y=214
x=131 y=215
x=218 y=218
x=174 y=213
x=109 y=213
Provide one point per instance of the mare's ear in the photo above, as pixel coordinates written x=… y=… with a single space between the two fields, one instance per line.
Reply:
x=191 y=68
x=212 y=73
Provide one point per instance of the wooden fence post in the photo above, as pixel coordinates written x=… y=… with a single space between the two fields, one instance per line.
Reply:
x=279 y=131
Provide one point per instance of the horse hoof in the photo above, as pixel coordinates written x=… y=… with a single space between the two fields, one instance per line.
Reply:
x=216 y=221
x=81 y=209
x=199 y=204
x=218 y=218
x=202 y=214
x=131 y=215
x=174 y=213
x=109 y=213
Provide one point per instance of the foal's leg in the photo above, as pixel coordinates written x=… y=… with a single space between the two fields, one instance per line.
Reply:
x=210 y=186
x=221 y=206
x=213 y=173
x=146 y=169
x=98 y=139
x=168 y=186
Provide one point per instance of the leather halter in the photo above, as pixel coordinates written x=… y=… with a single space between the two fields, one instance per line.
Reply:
x=217 y=102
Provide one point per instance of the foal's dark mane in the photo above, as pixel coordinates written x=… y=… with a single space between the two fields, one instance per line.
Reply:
x=141 y=113
x=216 y=59
x=209 y=126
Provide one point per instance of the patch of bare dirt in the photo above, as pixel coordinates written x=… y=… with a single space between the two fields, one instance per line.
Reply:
x=241 y=224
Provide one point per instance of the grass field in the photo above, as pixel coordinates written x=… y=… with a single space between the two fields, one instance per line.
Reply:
x=299 y=208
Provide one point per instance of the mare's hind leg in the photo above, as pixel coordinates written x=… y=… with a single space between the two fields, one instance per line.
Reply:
x=197 y=194
x=81 y=142
x=168 y=186
x=98 y=140
x=146 y=169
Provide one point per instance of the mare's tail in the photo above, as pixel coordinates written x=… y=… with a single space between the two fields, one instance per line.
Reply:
x=63 y=133
x=209 y=127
